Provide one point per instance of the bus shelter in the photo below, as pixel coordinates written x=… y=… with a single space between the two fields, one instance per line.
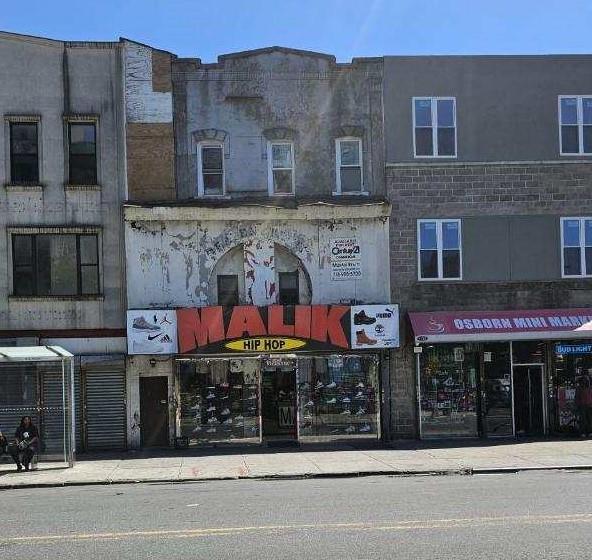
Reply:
x=38 y=381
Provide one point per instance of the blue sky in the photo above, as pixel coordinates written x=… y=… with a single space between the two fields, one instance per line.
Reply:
x=345 y=28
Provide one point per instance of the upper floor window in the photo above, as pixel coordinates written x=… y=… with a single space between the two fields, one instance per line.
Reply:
x=575 y=124
x=227 y=289
x=288 y=288
x=82 y=153
x=349 y=165
x=210 y=165
x=55 y=264
x=434 y=126
x=439 y=249
x=280 y=158
x=576 y=247
x=24 y=152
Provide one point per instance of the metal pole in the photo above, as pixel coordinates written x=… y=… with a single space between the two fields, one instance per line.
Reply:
x=512 y=389
x=419 y=421
x=64 y=413
x=72 y=415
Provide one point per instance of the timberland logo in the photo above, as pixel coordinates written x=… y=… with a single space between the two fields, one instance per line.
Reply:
x=265 y=344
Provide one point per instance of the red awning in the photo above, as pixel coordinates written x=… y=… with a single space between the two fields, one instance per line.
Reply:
x=531 y=324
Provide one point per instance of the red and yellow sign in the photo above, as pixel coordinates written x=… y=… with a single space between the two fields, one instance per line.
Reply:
x=276 y=328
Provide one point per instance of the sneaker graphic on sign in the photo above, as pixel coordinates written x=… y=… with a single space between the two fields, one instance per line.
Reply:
x=363 y=338
x=362 y=319
x=140 y=324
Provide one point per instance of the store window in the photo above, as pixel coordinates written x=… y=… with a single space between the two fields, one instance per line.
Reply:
x=573 y=382
x=576 y=247
x=219 y=400
x=448 y=390
x=24 y=152
x=528 y=352
x=496 y=405
x=339 y=397
x=82 y=155
x=55 y=264
x=434 y=130
x=439 y=249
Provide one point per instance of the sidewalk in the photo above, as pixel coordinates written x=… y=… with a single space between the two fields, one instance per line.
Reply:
x=407 y=458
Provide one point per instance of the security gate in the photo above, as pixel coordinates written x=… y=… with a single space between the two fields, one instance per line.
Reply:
x=104 y=405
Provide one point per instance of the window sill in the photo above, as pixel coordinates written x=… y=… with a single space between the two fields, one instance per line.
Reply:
x=281 y=194
x=350 y=193
x=70 y=187
x=98 y=297
x=23 y=187
x=214 y=196
x=434 y=157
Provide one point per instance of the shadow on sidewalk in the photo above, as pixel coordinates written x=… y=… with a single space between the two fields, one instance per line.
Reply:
x=332 y=447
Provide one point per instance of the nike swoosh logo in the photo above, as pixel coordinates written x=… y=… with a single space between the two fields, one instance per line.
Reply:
x=153 y=336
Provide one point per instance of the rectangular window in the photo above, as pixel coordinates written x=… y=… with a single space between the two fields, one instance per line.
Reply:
x=289 y=289
x=434 y=126
x=210 y=170
x=280 y=156
x=349 y=165
x=439 y=249
x=575 y=124
x=82 y=154
x=227 y=289
x=24 y=152
x=576 y=247
x=55 y=264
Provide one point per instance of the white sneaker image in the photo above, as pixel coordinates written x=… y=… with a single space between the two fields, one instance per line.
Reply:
x=210 y=396
x=309 y=403
x=346 y=400
x=332 y=401
x=141 y=325
x=212 y=420
x=346 y=411
x=211 y=409
x=225 y=412
x=366 y=428
x=331 y=385
x=350 y=430
x=360 y=412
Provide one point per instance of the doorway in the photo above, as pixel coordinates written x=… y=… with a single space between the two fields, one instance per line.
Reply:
x=154 y=411
x=529 y=411
x=278 y=404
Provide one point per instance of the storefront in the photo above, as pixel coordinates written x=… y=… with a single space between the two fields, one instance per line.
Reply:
x=506 y=373
x=274 y=374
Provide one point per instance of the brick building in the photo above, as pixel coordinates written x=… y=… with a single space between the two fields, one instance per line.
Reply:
x=488 y=173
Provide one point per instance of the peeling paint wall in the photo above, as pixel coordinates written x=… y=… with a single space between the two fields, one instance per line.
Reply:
x=172 y=263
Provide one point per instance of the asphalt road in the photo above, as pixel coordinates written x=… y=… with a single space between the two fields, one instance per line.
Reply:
x=514 y=516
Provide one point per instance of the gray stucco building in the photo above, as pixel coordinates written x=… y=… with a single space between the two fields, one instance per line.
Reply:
x=488 y=171
x=62 y=184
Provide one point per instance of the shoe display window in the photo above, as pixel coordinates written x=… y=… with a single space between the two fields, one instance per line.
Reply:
x=338 y=397
x=219 y=400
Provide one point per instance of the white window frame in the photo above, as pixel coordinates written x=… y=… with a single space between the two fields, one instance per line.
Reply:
x=270 y=168
x=200 y=180
x=434 y=127
x=582 y=220
x=439 y=222
x=338 y=165
x=580 y=124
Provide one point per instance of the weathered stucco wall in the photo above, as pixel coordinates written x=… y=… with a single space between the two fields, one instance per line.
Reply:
x=63 y=79
x=171 y=263
x=249 y=98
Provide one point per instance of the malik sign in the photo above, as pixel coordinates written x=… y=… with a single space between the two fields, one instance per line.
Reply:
x=278 y=328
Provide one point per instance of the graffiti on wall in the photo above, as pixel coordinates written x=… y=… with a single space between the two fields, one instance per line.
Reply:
x=259 y=264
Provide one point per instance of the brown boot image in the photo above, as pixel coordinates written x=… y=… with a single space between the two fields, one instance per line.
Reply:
x=363 y=338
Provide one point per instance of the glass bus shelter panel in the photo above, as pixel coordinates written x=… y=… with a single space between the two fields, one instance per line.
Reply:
x=339 y=397
x=496 y=405
x=42 y=391
x=448 y=381
x=219 y=400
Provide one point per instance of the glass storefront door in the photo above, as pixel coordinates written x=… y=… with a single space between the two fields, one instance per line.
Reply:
x=529 y=412
x=278 y=399
x=448 y=384
x=496 y=390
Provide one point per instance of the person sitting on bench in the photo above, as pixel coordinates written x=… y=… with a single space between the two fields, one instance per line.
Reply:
x=26 y=443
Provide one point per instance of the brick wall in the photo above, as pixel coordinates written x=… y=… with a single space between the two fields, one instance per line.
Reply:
x=456 y=191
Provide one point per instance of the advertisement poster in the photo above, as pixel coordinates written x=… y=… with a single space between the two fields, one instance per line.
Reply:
x=346 y=259
x=374 y=326
x=151 y=331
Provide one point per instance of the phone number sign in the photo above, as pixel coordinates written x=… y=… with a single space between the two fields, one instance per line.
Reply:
x=346 y=258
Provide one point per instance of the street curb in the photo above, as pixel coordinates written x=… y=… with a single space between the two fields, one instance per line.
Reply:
x=306 y=476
